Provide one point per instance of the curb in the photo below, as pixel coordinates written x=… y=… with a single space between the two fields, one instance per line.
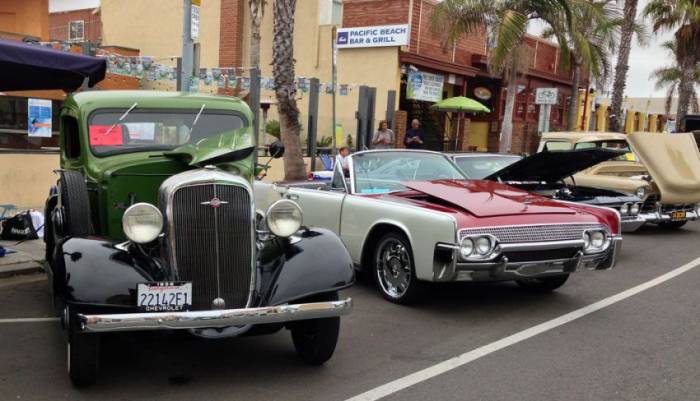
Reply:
x=21 y=268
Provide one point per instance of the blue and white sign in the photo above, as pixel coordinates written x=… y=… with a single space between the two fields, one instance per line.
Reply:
x=39 y=118
x=373 y=36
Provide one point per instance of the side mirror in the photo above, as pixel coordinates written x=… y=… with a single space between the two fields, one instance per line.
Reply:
x=276 y=149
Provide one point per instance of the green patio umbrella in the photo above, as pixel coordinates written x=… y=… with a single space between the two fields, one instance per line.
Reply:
x=459 y=104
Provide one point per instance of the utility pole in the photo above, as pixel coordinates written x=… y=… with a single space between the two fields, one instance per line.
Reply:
x=187 y=47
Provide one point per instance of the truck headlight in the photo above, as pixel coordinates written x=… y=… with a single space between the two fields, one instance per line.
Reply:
x=142 y=223
x=284 y=218
x=595 y=241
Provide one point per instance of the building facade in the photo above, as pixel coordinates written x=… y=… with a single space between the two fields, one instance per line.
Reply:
x=84 y=25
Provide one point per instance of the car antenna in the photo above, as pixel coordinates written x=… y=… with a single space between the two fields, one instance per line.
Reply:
x=123 y=116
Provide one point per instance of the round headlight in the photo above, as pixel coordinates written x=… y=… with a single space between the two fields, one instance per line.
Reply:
x=624 y=209
x=634 y=209
x=142 y=222
x=483 y=245
x=467 y=247
x=284 y=218
x=586 y=240
x=640 y=192
x=597 y=239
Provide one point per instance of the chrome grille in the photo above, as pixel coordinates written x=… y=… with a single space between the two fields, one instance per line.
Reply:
x=532 y=233
x=213 y=245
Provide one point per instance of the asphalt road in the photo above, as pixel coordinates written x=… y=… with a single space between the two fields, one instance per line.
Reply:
x=644 y=347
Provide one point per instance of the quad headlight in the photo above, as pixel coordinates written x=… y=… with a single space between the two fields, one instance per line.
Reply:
x=625 y=208
x=142 y=223
x=595 y=241
x=477 y=247
x=634 y=209
x=284 y=218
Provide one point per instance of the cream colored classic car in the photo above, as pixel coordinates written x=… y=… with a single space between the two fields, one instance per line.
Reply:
x=661 y=169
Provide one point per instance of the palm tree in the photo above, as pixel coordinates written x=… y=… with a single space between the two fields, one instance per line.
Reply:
x=629 y=14
x=590 y=44
x=285 y=90
x=506 y=21
x=257 y=11
x=670 y=77
x=683 y=16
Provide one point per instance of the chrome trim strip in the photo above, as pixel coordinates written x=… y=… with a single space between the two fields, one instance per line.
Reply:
x=212 y=318
x=205 y=176
x=541 y=246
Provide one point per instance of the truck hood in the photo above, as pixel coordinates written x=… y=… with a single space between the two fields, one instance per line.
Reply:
x=226 y=147
x=487 y=198
x=673 y=161
x=553 y=166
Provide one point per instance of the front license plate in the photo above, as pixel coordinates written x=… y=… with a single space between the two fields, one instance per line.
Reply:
x=164 y=296
x=678 y=215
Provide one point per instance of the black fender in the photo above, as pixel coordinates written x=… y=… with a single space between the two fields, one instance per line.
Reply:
x=311 y=262
x=95 y=272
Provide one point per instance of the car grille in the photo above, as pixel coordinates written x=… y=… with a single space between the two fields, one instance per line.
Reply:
x=213 y=245
x=532 y=233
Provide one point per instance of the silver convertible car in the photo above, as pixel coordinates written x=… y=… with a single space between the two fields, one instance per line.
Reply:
x=411 y=217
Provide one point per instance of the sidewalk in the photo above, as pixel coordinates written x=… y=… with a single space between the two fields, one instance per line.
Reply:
x=28 y=259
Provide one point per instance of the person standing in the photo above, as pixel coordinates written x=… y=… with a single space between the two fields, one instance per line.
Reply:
x=384 y=137
x=415 y=137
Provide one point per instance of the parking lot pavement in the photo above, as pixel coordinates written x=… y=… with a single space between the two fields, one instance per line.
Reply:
x=640 y=348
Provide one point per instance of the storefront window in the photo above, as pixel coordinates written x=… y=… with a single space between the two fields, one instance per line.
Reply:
x=14 y=126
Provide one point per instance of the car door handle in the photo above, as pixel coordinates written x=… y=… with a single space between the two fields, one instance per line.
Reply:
x=292 y=196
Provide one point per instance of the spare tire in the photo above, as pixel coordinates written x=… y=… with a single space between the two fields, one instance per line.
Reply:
x=75 y=203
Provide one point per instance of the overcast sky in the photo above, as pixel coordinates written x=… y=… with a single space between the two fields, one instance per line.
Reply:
x=643 y=60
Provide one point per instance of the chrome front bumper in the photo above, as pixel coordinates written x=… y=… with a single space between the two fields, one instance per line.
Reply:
x=661 y=217
x=213 y=318
x=631 y=223
x=504 y=269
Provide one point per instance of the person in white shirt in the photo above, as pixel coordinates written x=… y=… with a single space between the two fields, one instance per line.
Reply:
x=342 y=157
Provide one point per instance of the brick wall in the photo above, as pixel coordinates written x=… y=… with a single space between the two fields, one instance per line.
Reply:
x=374 y=12
x=114 y=81
x=59 y=22
x=231 y=33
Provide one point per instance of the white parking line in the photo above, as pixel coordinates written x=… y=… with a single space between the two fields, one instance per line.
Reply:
x=470 y=356
x=30 y=320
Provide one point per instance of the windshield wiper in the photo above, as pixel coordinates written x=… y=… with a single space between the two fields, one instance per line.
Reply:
x=194 y=122
x=123 y=116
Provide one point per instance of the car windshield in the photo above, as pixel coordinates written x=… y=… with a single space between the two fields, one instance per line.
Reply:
x=151 y=129
x=479 y=167
x=382 y=172
x=620 y=145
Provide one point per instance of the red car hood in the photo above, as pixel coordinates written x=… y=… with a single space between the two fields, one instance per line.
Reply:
x=488 y=198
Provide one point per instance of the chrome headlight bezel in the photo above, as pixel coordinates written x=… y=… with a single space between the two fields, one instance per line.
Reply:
x=284 y=209
x=625 y=208
x=635 y=209
x=596 y=241
x=469 y=248
x=142 y=223
x=640 y=192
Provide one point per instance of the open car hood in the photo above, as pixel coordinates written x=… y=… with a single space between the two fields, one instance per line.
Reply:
x=673 y=161
x=226 y=147
x=553 y=166
x=488 y=198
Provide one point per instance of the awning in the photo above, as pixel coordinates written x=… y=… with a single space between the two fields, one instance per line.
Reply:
x=33 y=67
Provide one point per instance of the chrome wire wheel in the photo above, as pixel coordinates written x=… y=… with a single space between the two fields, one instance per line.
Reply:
x=393 y=267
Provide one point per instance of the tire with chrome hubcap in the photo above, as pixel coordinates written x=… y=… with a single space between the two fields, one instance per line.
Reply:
x=543 y=284
x=393 y=270
x=83 y=351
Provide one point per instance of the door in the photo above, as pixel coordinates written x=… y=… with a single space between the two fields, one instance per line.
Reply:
x=321 y=202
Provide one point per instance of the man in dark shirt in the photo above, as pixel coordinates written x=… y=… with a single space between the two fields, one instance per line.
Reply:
x=415 y=137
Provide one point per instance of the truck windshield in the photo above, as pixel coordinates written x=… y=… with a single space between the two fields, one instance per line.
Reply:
x=150 y=130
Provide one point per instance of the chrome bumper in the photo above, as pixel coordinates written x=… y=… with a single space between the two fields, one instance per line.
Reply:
x=213 y=318
x=660 y=217
x=503 y=269
x=629 y=224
